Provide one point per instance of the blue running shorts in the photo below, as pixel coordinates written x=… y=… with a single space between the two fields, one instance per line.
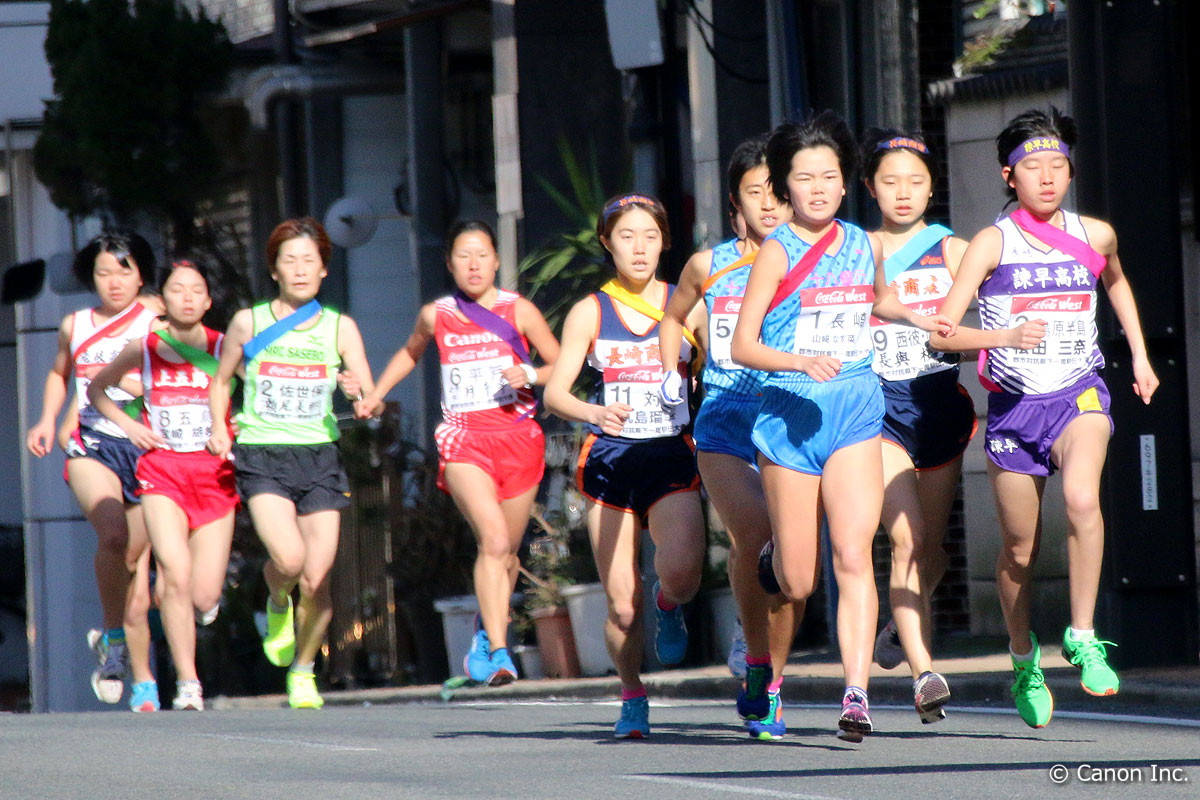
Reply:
x=800 y=427
x=723 y=425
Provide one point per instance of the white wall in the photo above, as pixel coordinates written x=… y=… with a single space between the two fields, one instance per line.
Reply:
x=25 y=80
x=384 y=284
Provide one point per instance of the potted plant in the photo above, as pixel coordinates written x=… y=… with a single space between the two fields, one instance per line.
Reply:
x=546 y=574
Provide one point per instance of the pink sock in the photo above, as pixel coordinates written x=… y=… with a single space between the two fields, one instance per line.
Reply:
x=662 y=603
x=631 y=694
x=758 y=661
x=775 y=685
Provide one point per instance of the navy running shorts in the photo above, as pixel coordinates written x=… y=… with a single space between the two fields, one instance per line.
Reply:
x=634 y=474
x=930 y=417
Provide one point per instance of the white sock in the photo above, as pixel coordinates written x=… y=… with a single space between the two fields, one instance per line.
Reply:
x=1018 y=657
x=1083 y=635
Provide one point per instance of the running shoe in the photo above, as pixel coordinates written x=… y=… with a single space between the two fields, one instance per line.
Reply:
x=302 y=690
x=888 y=652
x=737 y=652
x=206 y=618
x=143 y=697
x=280 y=642
x=770 y=727
x=1034 y=702
x=671 y=640
x=504 y=671
x=635 y=719
x=108 y=679
x=477 y=663
x=753 y=702
x=188 y=696
x=766 y=569
x=855 y=722
x=930 y=693
x=1096 y=677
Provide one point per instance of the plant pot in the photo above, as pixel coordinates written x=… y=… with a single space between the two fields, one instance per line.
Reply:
x=556 y=644
x=458 y=624
x=529 y=660
x=588 y=606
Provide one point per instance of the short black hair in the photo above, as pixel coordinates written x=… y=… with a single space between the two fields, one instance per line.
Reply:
x=127 y=247
x=826 y=129
x=1033 y=123
x=878 y=142
x=746 y=156
x=468 y=226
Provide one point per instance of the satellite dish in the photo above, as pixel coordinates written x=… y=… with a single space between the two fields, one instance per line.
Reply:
x=351 y=222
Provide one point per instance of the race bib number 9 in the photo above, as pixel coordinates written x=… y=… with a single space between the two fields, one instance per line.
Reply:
x=292 y=392
x=477 y=385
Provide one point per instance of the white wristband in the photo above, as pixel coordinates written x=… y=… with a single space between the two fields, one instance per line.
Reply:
x=530 y=373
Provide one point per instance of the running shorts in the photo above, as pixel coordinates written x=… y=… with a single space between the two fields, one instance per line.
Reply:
x=309 y=475
x=634 y=474
x=1022 y=428
x=514 y=457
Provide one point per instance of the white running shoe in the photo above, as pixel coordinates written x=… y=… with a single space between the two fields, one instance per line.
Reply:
x=188 y=696
x=108 y=679
x=737 y=652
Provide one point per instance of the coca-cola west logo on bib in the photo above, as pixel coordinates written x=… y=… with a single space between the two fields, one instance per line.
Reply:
x=1071 y=303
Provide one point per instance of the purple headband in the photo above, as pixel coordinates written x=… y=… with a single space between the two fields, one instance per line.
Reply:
x=897 y=142
x=1038 y=144
x=628 y=199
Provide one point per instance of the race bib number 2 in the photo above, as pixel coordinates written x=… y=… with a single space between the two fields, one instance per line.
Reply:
x=296 y=392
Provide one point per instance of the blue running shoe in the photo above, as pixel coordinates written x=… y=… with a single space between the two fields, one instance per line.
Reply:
x=770 y=727
x=504 y=671
x=671 y=641
x=143 y=697
x=477 y=664
x=753 y=702
x=766 y=569
x=635 y=719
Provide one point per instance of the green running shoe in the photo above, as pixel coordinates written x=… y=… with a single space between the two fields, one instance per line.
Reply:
x=1096 y=676
x=1034 y=702
x=302 y=690
x=280 y=642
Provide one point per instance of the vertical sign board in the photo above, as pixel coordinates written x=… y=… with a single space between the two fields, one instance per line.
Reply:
x=1123 y=88
x=634 y=33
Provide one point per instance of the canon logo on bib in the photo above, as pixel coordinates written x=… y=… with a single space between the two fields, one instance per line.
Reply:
x=461 y=339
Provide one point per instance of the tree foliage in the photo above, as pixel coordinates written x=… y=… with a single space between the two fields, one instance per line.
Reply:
x=123 y=134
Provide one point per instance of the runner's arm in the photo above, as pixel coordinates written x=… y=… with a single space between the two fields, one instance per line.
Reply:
x=54 y=392
x=1120 y=295
x=241 y=327
x=127 y=360
x=402 y=363
x=578 y=330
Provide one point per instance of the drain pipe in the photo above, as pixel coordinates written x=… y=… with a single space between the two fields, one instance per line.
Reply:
x=268 y=85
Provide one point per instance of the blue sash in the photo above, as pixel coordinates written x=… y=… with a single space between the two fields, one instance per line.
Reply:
x=266 y=337
x=913 y=249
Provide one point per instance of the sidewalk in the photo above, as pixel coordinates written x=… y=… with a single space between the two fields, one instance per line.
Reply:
x=979 y=673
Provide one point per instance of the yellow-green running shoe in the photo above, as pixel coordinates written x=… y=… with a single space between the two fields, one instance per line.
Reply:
x=280 y=642
x=1034 y=702
x=1095 y=676
x=302 y=690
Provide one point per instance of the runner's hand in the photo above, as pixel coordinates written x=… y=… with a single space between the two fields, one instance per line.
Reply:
x=220 y=444
x=142 y=436
x=671 y=389
x=819 y=368
x=1028 y=335
x=39 y=438
x=611 y=419
x=1145 y=382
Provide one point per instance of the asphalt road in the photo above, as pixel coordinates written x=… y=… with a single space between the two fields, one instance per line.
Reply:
x=514 y=749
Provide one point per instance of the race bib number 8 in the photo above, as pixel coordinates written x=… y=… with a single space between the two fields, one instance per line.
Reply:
x=477 y=385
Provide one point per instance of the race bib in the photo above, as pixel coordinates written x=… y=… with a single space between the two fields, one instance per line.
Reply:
x=721 y=323
x=291 y=392
x=1067 y=342
x=477 y=385
x=185 y=422
x=833 y=322
x=637 y=386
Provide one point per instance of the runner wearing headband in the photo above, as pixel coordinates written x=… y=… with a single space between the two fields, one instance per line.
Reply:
x=928 y=417
x=805 y=321
x=101 y=461
x=491 y=452
x=289 y=469
x=725 y=455
x=1036 y=272
x=188 y=494
x=637 y=468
